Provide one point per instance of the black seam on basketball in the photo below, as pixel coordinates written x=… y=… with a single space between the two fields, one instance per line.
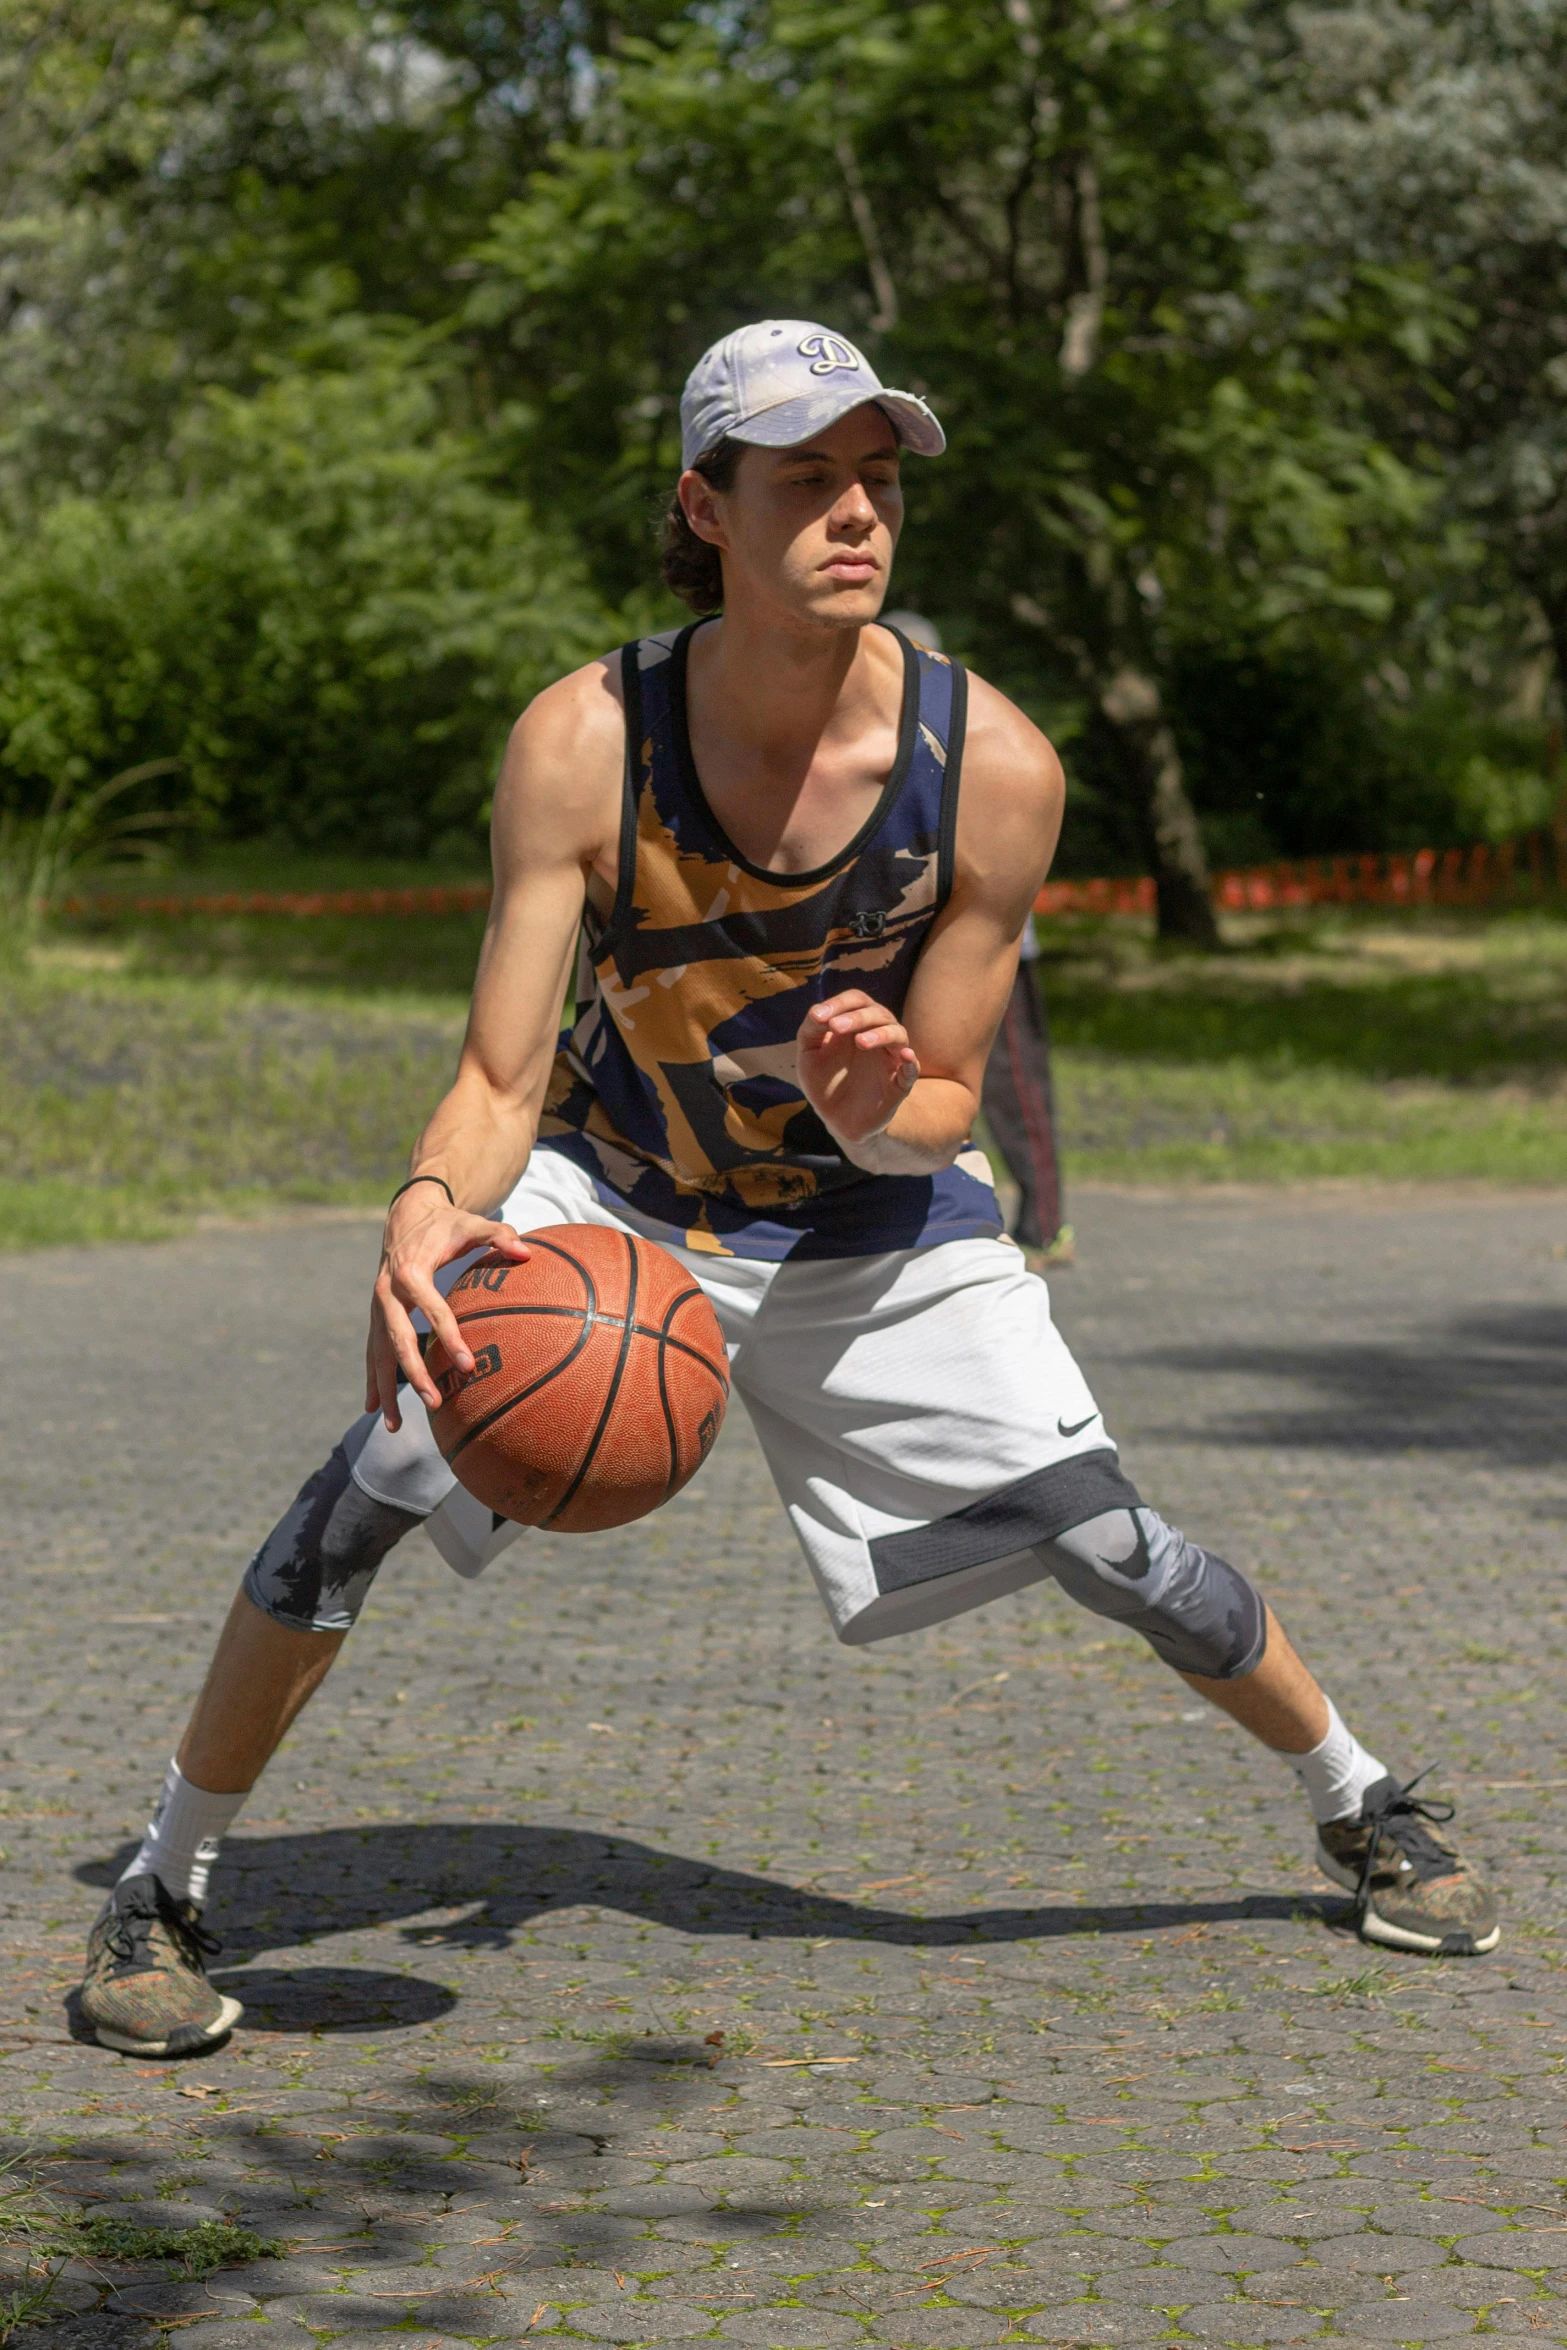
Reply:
x=554 y=1249
x=606 y=1321
x=481 y=1427
x=628 y=1330
x=685 y=1345
x=663 y=1397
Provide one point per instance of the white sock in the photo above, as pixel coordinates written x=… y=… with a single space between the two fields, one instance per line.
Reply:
x=1335 y=1774
x=182 y=1837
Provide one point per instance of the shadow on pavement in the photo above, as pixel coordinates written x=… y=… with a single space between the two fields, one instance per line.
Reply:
x=1491 y=1382
x=276 y=1890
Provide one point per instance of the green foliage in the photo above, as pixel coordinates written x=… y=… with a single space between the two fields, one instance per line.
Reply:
x=1155 y=469
x=340 y=349
x=183 y=2252
x=322 y=609
x=80 y=832
x=1413 y=206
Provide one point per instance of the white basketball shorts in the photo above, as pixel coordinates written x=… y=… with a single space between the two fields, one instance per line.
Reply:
x=922 y=1417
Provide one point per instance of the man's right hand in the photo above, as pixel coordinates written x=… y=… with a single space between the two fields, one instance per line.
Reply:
x=423 y=1233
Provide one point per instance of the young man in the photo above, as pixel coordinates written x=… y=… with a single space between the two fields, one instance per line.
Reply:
x=799 y=854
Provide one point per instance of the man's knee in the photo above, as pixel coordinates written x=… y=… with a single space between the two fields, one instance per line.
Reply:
x=1195 y=1610
x=314 y=1570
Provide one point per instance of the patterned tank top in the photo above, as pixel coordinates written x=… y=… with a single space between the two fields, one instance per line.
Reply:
x=676 y=1088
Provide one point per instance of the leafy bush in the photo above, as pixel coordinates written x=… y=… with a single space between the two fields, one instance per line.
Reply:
x=322 y=608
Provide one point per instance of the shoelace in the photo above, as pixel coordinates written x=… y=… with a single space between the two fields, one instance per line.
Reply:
x=129 y=1935
x=191 y=1939
x=1400 y=1818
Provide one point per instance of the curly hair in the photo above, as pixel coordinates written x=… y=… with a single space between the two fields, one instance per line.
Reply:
x=692 y=569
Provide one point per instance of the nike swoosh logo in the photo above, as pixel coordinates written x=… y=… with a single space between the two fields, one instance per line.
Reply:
x=1077 y=1426
x=1133 y=1569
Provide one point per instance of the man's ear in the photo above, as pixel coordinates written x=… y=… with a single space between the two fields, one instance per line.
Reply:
x=699 y=502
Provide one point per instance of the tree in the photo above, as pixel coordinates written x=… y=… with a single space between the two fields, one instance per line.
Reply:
x=1032 y=209
x=185 y=184
x=328 y=615
x=1414 y=206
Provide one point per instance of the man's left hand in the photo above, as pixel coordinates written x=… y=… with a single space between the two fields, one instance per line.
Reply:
x=857 y=1066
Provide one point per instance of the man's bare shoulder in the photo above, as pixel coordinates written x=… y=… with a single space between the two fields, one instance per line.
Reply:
x=580 y=717
x=1005 y=751
x=1012 y=795
x=559 y=785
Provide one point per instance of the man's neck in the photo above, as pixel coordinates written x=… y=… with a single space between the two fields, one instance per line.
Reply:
x=794 y=732
x=780 y=690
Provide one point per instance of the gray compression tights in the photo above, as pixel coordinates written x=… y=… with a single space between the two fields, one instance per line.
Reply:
x=314 y=1571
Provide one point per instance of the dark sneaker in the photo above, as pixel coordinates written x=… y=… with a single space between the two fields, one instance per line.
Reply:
x=146 y=1990
x=1414 y=1892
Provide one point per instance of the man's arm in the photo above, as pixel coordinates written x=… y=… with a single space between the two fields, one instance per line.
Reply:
x=556 y=822
x=900 y=1097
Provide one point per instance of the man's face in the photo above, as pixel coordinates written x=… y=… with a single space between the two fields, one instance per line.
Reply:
x=809 y=531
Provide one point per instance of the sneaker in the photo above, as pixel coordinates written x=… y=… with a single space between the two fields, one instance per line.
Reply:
x=146 y=1990
x=1414 y=1893
x=1060 y=1251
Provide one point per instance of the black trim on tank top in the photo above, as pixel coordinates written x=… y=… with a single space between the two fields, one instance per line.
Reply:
x=907 y=727
x=952 y=776
x=631 y=785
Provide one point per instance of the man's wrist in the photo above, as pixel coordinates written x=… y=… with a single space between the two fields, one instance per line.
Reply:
x=871 y=1152
x=412 y=1180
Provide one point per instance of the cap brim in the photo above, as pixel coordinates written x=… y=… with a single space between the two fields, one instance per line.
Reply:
x=793 y=421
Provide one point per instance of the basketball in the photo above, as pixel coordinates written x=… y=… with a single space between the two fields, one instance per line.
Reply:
x=598 y=1385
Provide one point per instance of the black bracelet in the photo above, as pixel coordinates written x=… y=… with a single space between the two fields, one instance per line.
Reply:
x=412 y=1180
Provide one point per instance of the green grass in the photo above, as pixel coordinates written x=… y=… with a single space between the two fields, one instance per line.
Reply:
x=362 y=954
x=130 y=1104
x=1426 y=1049
x=152 y=1071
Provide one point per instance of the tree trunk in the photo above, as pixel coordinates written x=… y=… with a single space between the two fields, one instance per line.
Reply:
x=1133 y=711
x=1554 y=606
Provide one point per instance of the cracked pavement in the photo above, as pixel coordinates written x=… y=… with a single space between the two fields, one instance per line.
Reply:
x=624 y=1962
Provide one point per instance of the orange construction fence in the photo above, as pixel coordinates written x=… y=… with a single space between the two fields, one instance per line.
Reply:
x=1477 y=876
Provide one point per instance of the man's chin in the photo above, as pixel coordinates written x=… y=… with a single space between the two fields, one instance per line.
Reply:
x=847 y=607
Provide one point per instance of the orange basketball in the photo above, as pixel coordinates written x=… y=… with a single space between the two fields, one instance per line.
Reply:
x=599 y=1380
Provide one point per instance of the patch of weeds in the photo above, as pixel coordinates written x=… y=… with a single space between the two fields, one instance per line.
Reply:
x=468 y=2096
x=33 y=2220
x=26 y=2305
x=611 y=2039
x=738 y=2042
x=27 y=2220
x=1369 y=1983
x=25 y=2214
x=184 y=2252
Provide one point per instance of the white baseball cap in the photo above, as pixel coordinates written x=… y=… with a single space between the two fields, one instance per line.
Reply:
x=777 y=382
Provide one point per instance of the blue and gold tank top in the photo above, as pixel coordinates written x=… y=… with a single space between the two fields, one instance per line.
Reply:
x=676 y=1088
